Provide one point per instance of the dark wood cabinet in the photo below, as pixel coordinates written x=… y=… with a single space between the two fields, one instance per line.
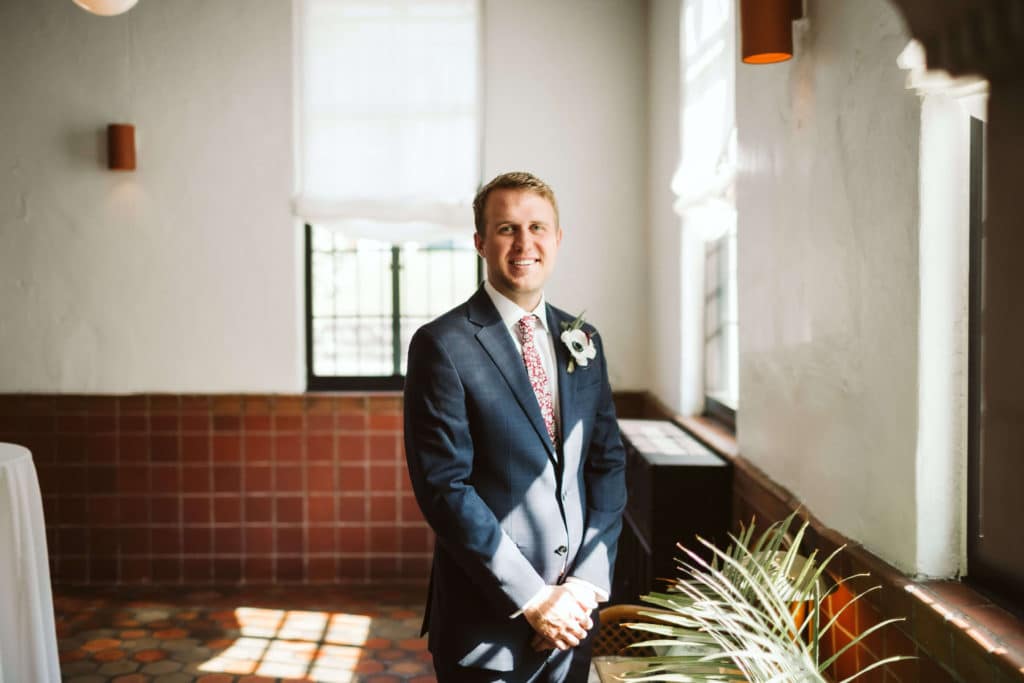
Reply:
x=678 y=489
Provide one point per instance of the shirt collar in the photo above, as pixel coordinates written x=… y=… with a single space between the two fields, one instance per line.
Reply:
x=511 y=312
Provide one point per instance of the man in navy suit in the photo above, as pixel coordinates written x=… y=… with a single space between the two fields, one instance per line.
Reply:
x=515 y=458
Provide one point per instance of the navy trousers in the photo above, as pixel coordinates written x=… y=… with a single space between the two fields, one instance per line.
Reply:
x=569 y=666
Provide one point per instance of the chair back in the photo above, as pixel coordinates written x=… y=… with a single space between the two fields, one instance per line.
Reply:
x=614 y=637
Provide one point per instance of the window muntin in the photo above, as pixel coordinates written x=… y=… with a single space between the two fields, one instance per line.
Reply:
x=366 y=298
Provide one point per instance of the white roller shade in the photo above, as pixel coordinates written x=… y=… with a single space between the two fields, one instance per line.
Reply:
x=704 y=180
x=388 y=120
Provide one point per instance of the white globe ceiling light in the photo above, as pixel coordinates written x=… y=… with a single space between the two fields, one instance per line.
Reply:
x=106 y=8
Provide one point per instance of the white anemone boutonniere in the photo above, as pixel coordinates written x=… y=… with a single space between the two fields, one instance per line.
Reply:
x=577 y=340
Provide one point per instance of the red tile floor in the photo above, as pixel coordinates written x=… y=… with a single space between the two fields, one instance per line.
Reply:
x=353 y=634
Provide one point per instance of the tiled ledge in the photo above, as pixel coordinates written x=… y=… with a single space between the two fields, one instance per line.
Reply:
x=957 y=634
x=974 y=636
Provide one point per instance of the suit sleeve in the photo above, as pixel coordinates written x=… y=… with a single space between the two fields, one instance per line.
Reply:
x=604 y=476
x=439 y=452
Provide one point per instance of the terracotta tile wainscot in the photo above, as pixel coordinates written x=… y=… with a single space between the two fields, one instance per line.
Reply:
x=229 y=489
x=308 y=489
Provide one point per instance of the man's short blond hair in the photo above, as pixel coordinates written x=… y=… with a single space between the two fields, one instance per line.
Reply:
x=513 y=180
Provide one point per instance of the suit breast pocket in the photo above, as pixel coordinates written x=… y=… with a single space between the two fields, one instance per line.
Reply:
x=588 y=395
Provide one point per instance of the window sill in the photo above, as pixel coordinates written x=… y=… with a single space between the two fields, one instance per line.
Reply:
x=392 y=383
x=711 y=433
x=352 y=392
x=979 y=635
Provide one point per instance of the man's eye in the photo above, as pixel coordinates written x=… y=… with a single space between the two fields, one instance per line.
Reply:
x=536 y=227
x=505 y=229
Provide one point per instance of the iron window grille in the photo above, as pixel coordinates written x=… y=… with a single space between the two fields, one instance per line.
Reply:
x=365 y=299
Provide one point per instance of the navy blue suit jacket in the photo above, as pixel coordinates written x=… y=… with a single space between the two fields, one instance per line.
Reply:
x=510 y=509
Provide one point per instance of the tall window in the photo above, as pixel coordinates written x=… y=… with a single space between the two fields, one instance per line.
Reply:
x=388 y=165
x=705 y=187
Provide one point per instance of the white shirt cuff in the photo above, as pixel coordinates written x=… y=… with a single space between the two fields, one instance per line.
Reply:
x=599 y=594
x=537 y=597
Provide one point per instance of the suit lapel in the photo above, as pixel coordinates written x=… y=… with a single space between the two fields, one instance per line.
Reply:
x=566 y=382
x=495 y=338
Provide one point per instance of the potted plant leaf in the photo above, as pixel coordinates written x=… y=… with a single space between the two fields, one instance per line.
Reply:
x=754 y=613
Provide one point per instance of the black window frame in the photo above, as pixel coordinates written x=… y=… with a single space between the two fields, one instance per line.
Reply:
x=392 y=382
x=974 y=340
x=992 y=573
x=718 y=411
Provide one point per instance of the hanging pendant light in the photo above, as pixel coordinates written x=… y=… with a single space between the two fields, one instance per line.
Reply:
x=106 y=8
x=766 y=27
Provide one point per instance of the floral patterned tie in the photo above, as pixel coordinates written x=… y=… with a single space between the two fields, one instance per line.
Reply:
x=538 y=378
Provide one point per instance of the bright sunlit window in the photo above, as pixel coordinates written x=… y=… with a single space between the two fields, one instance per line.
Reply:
x=705 y=185
x=388 y=161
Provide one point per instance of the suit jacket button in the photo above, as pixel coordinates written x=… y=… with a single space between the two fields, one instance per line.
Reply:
x=561 y=550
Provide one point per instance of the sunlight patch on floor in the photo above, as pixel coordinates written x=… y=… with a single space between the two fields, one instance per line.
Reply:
x=294 y=644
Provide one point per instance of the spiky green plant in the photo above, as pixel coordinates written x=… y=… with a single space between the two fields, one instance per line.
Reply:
x=734 y=619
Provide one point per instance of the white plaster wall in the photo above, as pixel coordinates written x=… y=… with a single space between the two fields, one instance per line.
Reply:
x=829 y=274
x=182 y=275
x=566 y=98
x=185 y=275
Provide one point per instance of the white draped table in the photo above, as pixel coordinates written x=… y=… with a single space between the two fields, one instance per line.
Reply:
x=28 y=636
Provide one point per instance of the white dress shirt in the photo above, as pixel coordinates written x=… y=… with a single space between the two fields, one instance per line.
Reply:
x=511 y=313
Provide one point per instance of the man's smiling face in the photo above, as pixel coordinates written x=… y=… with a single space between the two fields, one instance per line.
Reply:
x=520 y=243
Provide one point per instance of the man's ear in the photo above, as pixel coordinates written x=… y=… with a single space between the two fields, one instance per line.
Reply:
x=558 y=236
x=478 y=242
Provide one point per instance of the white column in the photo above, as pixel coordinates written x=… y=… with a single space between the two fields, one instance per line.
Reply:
x=947 y=105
